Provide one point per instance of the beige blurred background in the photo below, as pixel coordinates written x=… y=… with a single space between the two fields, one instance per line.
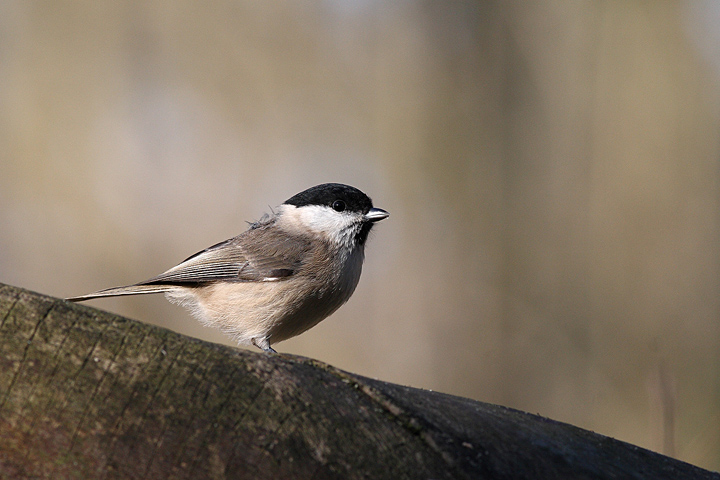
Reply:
x=552 y=170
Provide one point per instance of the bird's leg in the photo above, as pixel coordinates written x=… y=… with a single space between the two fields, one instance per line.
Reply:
x=263 y=344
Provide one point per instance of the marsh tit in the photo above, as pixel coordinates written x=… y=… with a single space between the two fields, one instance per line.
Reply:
x=286 y=273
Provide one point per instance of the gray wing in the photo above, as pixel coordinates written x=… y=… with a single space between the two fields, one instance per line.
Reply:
x=257 y=255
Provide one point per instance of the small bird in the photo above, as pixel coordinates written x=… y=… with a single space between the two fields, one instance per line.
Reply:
x=287 y=272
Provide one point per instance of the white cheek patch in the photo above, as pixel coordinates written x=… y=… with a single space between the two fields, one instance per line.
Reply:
x=323 y=221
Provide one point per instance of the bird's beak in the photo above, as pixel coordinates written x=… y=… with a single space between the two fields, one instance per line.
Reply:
x=376 y=214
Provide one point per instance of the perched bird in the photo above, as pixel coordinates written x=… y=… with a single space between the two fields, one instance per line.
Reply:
x=286 y=273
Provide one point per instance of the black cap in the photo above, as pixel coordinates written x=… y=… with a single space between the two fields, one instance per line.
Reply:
x=334 y=195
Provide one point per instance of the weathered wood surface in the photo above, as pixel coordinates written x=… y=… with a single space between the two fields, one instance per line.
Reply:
x=88 y=394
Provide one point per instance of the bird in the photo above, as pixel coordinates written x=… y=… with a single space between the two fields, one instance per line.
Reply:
x=282 y=276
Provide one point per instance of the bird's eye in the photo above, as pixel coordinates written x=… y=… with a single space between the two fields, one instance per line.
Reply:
x=338 y=205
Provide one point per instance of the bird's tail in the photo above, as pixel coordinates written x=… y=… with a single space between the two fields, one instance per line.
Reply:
x=118 y=291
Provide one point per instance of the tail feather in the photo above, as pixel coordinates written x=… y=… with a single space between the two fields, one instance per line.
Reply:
x=118 y=291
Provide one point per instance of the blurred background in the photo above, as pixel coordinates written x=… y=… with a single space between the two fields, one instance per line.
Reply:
x=552 y=170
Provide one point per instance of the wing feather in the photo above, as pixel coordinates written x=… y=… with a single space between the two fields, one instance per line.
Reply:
x=257 y=255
